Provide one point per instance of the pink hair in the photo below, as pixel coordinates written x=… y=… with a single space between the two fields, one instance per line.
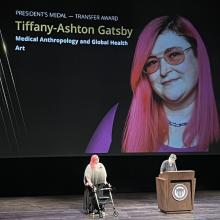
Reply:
x=93 y=159
x=146 y=128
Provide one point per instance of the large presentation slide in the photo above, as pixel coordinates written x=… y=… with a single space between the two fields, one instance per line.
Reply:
x=78 y=78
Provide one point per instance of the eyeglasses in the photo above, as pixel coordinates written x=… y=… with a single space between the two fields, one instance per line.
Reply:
x=173 y=56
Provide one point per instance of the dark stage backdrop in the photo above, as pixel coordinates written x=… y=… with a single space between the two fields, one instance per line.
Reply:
x=63 y=175
x=65 y=64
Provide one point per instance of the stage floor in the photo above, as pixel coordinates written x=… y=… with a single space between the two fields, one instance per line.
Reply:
x=130 y=206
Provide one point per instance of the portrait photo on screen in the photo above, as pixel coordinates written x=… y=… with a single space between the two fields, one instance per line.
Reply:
x=173 y=107
x=79 y=79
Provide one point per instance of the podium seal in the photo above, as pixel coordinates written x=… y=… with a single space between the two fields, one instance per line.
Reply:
x=179 y=192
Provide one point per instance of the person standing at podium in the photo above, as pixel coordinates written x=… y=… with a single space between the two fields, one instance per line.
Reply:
x=169 y=165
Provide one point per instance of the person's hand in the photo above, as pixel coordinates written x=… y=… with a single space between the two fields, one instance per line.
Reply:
x=90 y=184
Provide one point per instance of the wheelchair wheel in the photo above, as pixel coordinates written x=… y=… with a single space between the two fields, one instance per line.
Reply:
x=115 y=213
x=100 y=214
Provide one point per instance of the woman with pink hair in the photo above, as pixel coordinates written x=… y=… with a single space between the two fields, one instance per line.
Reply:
x=94 y=175
x=173 y=107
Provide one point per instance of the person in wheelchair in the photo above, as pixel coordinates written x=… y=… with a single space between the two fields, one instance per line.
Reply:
x=95 y=177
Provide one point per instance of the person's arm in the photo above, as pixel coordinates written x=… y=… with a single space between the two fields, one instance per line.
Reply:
x=87 y=177
x=175 y=166
x=163 y=167
x=105 y=174
x=88 y=182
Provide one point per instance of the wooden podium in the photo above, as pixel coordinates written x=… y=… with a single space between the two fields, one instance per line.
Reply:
x=176 y=191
